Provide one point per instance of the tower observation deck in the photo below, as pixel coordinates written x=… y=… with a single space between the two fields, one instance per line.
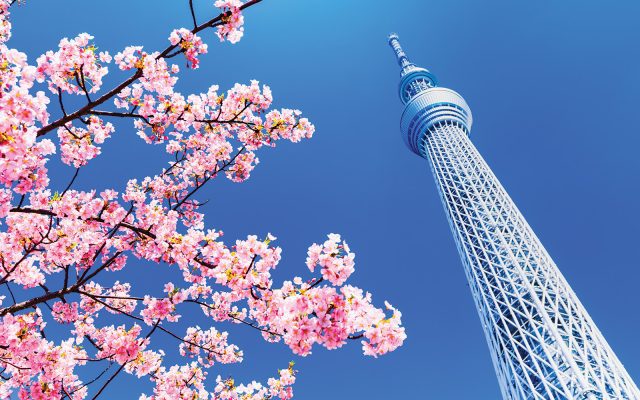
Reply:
x=542 y=342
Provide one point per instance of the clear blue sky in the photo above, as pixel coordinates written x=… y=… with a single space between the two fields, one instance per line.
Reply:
x=554 y=88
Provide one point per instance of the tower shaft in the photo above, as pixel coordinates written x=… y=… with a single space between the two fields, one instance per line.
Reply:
x=542 y=341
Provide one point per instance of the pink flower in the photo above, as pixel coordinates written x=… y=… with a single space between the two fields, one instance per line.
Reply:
x=120 y=344
x=190 y=44
x=335 y=259
x=158 y=310
x=79 y=145
x=76 y=244
x=209 y=346
x=65 y=313
x=74 y=68
x=385 y=336
x=231 y=29
x=5 y=202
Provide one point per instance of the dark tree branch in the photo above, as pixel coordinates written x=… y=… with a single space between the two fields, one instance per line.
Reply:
x=119 y=114
x=75 y=175
x=61 y=103
x=193 y=14
x=123 y=364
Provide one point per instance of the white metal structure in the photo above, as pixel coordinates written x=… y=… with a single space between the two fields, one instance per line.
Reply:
x=543 y=343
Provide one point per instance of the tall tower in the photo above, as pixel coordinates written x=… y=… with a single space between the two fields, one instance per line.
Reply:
x=543 y=343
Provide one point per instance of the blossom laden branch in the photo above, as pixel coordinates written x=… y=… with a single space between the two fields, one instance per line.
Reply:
x=222 y=18
x=73 y=244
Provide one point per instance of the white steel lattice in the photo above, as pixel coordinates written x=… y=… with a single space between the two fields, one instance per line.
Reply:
x=543 y=343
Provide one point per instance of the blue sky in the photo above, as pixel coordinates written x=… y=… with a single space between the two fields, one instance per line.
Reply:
x=554 y=90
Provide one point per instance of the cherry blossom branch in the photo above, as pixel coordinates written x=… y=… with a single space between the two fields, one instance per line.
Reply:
x=207 y=179
x=77 y=236
x=158 y=326
x=230 y=315
x=50 y=295
x=85 y=109
x=65 y=290
x=64 y=112
x=4 y=360
x=133 y=298
x=112 y=377
x=37 y=300
x=27 y=253
x=94 y=219
x=138 y=74
x=95 y=379
x=119 y=114
x=13 y=298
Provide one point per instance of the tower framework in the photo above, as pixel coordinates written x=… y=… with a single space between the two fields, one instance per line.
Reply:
x=543 y=343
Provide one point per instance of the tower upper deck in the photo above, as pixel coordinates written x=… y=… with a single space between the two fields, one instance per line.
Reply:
x=426 y=104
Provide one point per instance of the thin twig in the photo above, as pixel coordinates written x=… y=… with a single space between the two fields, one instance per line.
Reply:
x=193 y=14
x=75 y=175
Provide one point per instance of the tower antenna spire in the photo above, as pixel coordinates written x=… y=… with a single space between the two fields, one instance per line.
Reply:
x=403 y=61
x=413 y=80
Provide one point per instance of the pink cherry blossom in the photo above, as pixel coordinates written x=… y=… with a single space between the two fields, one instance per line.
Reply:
x=191 y=44
x=65 y=312
x=334 y=258
x=75 y=68
x=231 y=29
x=5 y=25
x=71 y=259
x=79 y=145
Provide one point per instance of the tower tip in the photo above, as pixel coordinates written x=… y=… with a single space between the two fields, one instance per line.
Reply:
x=394 y=43
x=414 y=79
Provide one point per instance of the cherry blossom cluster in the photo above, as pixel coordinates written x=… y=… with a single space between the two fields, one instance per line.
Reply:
x=119 y=343
x=190 y=43
x=116 y=298
x=179 y=382
x=386 y=335
x=22 y=159
x=65 y=313
x=35 y=364
x=156 y=76
x=5 y=25
x=75 y=67
x=65 y=253
x=209 y=346
x=306 y=313
x=159 y=309
x=279 y=388
x=232 y=27
x=334 y=258
x=78 y=145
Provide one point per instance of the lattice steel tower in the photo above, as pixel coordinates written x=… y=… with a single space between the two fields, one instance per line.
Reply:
x=543 y=343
